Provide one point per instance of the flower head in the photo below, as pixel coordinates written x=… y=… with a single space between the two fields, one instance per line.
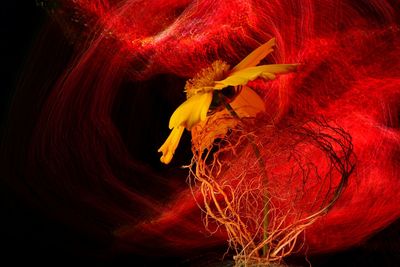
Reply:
x=208 y=89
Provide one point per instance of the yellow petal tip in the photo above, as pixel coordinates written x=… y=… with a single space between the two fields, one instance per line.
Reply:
x=170 y=145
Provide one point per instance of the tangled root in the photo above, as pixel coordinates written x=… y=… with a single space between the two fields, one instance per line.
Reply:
x=265 y=187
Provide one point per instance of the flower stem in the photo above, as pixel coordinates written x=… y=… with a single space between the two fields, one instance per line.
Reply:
x=261 y=164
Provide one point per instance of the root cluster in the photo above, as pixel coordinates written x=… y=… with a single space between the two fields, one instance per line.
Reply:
x=265 y=187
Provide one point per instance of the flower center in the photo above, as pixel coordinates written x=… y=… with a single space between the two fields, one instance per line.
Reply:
x=204 y=81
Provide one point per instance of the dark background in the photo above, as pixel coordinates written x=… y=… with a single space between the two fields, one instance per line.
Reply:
x=30 y=236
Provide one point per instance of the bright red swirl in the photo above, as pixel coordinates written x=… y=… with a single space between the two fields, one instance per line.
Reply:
x=94 y=151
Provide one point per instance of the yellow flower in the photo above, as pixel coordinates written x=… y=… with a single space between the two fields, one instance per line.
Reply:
x=202 y=88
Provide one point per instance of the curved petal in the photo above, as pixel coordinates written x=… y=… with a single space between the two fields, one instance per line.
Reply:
x=256 y=56
x=248 y=103
x=170 y=145
x=243 y=76
x=192 y=111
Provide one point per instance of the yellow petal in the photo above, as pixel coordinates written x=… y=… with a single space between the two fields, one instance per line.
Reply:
x=248 y=103
x=192 y=111
x=243 y=76
x=256 y=56
x=268 y=76
x=170 y=145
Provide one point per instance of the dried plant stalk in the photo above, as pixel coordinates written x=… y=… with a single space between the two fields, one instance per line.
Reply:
x=265 y=188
